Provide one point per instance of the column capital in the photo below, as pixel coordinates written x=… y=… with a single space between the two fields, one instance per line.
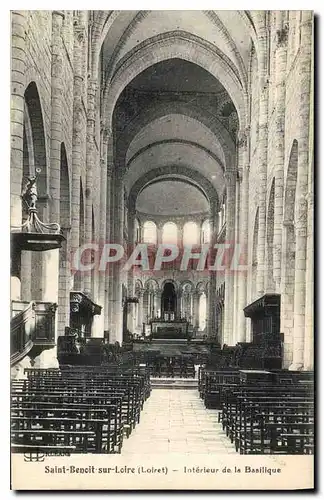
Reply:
x=242 y=138
x=230 y=176
x=282 y=37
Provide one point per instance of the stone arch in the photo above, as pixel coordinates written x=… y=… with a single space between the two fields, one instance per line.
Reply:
x=147 y=238
x=204 y=184
x=170 y=280
x=288 y=255
x=176 y=141
x=144 y=117
x=176 y=44
x=65 y=205
x=255 y=255
x=270 y=234
x=152 y=284
x=138 y=285
x=187 y=282
x=35 y=127
x=34 y=163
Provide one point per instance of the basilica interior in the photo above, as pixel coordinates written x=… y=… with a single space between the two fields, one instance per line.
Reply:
x=162 y=222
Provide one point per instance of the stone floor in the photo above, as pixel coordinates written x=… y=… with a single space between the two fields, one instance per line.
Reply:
x=177 y=421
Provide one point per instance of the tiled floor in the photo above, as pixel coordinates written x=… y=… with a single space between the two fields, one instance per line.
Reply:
x=175 y=420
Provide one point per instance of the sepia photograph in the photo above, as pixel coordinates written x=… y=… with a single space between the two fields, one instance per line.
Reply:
x=162 y=250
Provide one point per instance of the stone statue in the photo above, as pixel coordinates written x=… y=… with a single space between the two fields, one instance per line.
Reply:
x=30 y=193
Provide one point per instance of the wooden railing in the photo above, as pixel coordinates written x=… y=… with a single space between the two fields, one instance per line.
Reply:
x=32 y=326
x=21 y=328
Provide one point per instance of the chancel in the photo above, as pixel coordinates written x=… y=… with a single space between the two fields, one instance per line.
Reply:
x=162 y=255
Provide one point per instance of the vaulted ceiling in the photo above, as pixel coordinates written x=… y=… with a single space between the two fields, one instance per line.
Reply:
x=178 y=113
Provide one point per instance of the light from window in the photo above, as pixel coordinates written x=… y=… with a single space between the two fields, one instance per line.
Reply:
x=190 y=233
x=202 y=311
x=170 y=233
x=149 y=233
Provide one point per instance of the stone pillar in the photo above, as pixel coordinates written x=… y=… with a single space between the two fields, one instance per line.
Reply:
x=237 y=239
x=262 y=153
x=157 y=303
x=78 y=134
x=281 y=64
x=302 y=190
x=109 y=233
x=243 y=237
x=309 y=305
x=99 y=324
x=118 y=234
x=18 y=62
x=210 y=313
x=179 y=312
x=56 y=115
x=140 y=311
x=90 y=163
x=230 y=239
x=196 y=297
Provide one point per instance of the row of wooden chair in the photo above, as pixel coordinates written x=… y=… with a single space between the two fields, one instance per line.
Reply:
x=79 y=410
x=273 y=417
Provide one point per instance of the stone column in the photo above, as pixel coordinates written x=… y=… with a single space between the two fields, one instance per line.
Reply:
x=243 y=236
x=309 y=305
x=18 y=62
x=230 y=239
x=78 y=134
x=302 y=190
x=118 y=234
x=210 y=313
x=56 y=114
x=99 y=325
x=157 y=303
x=140 y=311
x=237 y=239
x=262 y=152
x=196 y=297
x=281 y=64
x=130 y=278
x=90 y=163
x=109 y=233
x=50 y=259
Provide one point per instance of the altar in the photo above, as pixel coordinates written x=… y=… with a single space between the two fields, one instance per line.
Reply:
x=169 y=329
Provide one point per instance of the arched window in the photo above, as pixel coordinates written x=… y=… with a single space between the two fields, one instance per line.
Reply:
x=137 y=231
x=222 y=217
x=202 y=312
x=190 y=233
x=149 y=232
x=205 y=232
x=170 y=233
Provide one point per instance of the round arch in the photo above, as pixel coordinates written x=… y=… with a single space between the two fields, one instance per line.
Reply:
x=144 y=117
x=175 y=141
x=191 y=174
x=175 y=44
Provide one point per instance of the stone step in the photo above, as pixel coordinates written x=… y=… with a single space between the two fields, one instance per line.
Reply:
x=174 y=383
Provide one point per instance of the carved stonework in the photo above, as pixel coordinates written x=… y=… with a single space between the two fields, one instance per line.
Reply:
x=282 y=37
x=242 y=140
